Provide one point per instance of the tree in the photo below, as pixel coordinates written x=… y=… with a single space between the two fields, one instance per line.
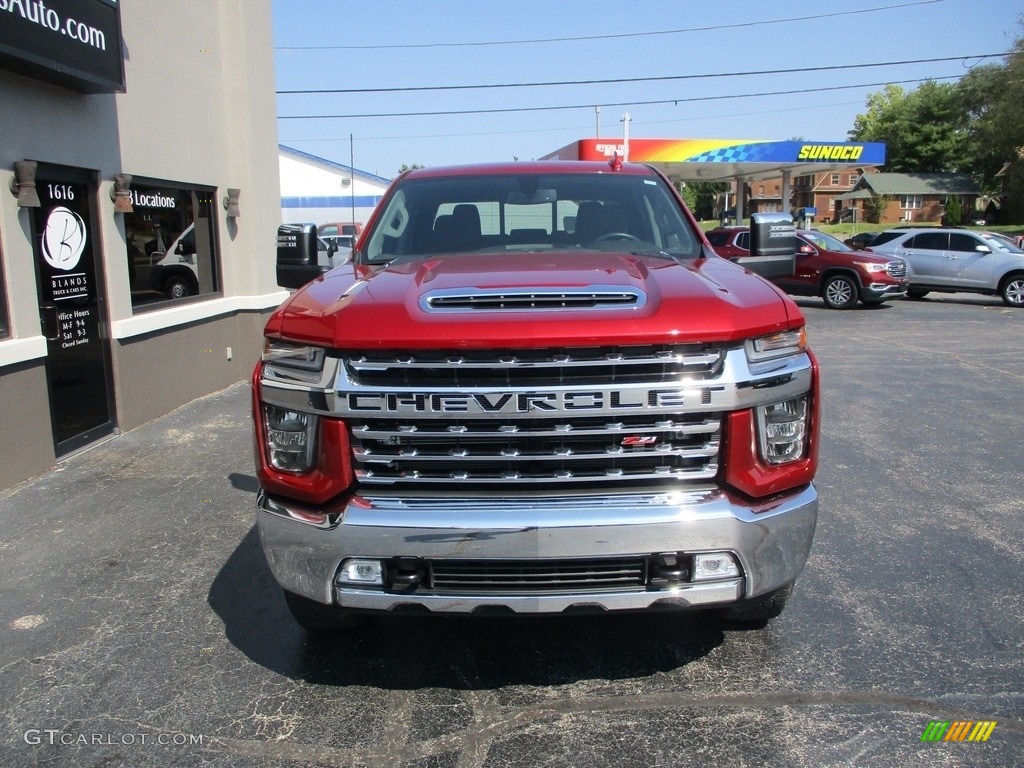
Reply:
x=412 y=167
x=953 y=216
x=993 y=97
x=924 y=130
x=975 y=126
x=875 y=206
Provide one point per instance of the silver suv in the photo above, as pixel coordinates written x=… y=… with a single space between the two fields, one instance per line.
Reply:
x=957 y=260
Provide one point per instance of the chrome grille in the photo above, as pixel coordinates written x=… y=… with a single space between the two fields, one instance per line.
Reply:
x=493 y=448
x=536 y=450
x=534 y=367
x=536 y=577
x=896 y=268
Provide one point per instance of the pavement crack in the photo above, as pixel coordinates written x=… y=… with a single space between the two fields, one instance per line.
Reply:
x=491 y=722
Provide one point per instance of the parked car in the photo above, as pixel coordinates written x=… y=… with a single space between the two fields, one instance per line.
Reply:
x=826 y=267
x=951 y=260
x=861 y=240
x=353 y=228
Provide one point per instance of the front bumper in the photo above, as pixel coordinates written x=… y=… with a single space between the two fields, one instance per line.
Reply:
x=875 y=292
x=305 y=546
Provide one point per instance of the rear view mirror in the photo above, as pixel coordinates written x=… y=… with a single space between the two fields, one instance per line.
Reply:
x=772 y=245
x=297 y=255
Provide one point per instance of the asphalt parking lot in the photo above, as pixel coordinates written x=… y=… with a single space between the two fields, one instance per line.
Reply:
x=140 y=624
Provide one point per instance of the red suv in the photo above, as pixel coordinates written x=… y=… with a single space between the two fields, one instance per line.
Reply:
x=826 y=267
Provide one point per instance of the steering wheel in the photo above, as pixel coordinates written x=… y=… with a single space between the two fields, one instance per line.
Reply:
x=616 y=236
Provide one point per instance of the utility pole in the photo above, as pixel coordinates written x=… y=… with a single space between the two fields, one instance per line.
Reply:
x=597 y=120
x=352 y=176
x=625 y=137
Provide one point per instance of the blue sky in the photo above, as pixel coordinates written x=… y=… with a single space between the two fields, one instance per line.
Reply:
x=409 y=44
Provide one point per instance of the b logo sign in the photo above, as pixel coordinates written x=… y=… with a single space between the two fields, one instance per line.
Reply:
x=63 y=239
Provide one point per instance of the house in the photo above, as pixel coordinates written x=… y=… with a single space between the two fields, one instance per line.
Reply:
x=814 y=191
x=917 y=197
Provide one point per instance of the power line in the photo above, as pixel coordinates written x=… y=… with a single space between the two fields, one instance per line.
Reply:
x=688 y=100
x=616 y=36
x=577 y=128
x=621 y=80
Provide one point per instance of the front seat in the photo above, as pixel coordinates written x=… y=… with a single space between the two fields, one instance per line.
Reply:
x=593 y=219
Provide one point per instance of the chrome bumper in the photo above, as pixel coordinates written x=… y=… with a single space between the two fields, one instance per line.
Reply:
x=884 y=291
x=305 y=546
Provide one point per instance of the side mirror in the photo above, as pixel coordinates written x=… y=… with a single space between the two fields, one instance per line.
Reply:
x=297 y=255
x=983 y=249
x=772 y=245
x=807 y=250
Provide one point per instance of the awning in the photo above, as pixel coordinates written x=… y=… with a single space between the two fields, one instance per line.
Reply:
x=857 y=194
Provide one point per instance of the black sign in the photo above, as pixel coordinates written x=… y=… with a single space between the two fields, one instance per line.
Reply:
x=73 y=43
x=66 y=263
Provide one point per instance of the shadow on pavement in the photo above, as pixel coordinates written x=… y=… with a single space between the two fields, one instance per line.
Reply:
x=409 y=653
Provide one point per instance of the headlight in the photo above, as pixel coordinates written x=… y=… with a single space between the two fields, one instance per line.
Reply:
x=291 y=438
x=290 y=355
x=784 y=344
x=871 y=266
x=782 y=430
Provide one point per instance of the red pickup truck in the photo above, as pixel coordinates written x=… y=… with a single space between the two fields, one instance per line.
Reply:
x=536 y=389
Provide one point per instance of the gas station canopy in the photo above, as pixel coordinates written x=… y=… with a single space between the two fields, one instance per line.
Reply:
x=737 y=161
x=729 y=159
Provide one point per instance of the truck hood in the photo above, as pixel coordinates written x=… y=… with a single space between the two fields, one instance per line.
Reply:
x=490 y=300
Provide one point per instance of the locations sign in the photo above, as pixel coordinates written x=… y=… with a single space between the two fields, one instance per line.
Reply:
x=73 y=43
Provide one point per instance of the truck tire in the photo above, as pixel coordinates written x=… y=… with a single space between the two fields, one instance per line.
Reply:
x=755 y=613
x=840 y=292
x=1012 y=290
x=317 y=617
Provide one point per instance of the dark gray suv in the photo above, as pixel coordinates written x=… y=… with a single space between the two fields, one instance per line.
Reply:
x=957 y=260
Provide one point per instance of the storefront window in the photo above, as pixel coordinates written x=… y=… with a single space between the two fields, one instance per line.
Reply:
x=172 y=248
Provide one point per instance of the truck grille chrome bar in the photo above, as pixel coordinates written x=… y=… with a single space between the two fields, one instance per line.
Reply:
x=534 y=367
x=544 y=576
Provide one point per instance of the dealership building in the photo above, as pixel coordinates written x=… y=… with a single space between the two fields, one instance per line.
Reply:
x=139 y=203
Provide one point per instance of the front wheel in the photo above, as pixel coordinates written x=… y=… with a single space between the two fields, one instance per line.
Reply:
x=1012 y=291
x=839 y=292
x=317 y=617
x=177 y=288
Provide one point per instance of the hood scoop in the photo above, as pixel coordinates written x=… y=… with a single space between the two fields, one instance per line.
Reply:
x=518 y=299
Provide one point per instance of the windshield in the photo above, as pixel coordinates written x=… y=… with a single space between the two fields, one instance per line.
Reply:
x=825 y=242
x=506 y=213
x=1000 y=243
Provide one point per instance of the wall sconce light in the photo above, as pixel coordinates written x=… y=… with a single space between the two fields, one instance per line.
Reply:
x=23 y=184
x=346 y=182
x=231 y=203
x=121 y=193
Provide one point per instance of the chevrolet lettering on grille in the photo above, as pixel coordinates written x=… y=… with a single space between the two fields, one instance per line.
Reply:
x=506 y=403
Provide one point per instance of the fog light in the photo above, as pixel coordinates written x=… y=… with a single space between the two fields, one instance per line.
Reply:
x=782 y=428
x=714 y=565
x=363 y=573
x=290 y=438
